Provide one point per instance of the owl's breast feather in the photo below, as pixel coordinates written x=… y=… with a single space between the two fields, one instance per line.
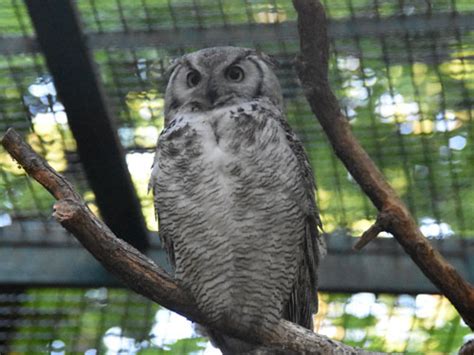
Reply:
x=228 y=196
x=218 y=134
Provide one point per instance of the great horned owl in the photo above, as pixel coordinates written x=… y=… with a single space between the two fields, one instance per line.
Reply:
x=234 y=194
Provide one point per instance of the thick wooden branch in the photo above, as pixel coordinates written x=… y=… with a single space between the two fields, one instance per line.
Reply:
x=312 y=67
x=139 y=272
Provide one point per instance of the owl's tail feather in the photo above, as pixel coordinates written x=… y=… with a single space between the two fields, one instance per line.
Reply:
x=234 y=346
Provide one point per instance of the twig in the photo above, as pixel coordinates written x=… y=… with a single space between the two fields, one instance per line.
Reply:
x=139 y=272
x=380 y=225
x=312 y=67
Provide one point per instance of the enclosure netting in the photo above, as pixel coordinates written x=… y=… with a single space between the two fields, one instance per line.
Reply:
x=403 y=70
x=116 y=321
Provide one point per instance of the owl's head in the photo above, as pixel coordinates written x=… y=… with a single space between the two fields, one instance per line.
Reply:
x=218 y=76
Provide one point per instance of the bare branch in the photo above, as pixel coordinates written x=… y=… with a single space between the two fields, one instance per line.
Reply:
x=37 y=167
x=139 y=272
x=370 y=234
x=312 y=68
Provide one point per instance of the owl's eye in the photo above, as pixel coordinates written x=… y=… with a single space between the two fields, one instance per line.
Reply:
x=235 y=73
x=193 y=78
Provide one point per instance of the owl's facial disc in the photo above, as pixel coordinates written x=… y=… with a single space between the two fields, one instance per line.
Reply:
x=210 y=85
x=219 y=77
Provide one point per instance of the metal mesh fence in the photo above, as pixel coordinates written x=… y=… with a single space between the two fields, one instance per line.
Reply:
x=404 y=72
x=114 y=321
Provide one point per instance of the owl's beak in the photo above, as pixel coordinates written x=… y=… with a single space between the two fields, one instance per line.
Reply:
x=212 y=96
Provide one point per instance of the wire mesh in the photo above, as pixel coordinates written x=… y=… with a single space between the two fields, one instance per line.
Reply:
x=113 y=321
x=403 y=71
x=406 y=93
x=29 y=104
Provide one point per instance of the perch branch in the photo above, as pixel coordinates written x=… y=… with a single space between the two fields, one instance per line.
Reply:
x=312 y=67
x=139 y=272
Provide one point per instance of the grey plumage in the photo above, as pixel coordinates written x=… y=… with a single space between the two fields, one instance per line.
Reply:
x=234 y=194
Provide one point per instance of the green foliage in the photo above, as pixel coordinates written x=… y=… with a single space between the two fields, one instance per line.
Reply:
x=408 y=101
x=102 y=319
x=114 y=320
x=186 y=346
x=423 y=324
x=443 y=338
x=349 y=321
x=15 y=19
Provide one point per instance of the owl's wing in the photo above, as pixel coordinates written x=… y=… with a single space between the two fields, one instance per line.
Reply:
x=166 y=241
x=303 y=301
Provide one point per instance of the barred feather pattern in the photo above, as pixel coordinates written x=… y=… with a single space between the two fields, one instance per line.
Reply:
x=234 y=194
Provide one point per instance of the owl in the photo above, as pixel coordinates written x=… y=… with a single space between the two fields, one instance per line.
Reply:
x=235 y=195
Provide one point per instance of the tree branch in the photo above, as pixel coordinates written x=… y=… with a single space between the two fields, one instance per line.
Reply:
x=380 y=225
x=139 y=272
x=312 y=67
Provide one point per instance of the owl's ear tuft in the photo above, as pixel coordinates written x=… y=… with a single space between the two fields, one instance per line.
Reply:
x=270 y=60
x=174 y=63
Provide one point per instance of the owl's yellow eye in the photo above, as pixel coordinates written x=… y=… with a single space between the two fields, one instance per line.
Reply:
x=235 y=73
x=193 y=78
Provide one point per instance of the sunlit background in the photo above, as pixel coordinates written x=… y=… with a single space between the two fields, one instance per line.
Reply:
x=404 y=72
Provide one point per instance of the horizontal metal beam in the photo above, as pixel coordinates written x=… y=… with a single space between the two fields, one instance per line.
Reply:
x=80 y=90
x=381 y=267
x=286 y=31
x=253 y=34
